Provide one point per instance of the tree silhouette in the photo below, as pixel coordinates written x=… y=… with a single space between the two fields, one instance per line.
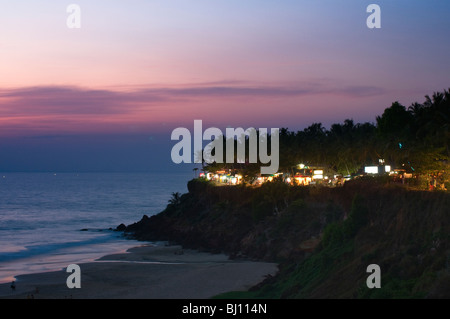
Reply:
x=176 y=199
x=416 y=137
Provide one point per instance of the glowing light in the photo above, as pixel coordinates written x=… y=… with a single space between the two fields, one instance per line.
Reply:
x=303 y=180
x=371 y=169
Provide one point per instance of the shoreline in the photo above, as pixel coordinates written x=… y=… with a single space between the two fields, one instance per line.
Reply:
x=60 y=258
x=150 y=271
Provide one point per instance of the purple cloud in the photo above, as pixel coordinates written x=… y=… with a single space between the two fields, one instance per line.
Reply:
x=71 y=100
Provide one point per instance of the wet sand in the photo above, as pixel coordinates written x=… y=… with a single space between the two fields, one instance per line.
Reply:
x=146 y=272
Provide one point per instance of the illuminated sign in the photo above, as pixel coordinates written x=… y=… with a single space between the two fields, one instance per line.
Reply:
x=371 y=169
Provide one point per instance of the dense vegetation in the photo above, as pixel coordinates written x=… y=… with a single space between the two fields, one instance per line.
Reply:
x=415 y=138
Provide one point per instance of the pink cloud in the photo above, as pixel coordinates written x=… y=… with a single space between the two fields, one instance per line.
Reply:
x=77 y=109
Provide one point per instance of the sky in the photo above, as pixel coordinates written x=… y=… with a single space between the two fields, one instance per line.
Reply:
x=106 y=96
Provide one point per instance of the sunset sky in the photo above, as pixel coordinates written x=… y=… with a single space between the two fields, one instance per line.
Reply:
x=106 y=96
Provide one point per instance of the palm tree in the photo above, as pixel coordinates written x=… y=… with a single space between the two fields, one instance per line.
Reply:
x=176 y=199
x=416 y=109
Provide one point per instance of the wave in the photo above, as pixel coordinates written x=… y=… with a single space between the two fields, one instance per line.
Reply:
x=50 y=248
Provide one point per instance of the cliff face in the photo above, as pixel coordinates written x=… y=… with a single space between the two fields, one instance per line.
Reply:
x=324 y=238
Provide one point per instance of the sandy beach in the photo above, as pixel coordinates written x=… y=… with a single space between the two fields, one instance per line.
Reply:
x=146 y=272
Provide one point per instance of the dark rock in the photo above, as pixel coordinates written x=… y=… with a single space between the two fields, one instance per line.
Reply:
x=121 y=227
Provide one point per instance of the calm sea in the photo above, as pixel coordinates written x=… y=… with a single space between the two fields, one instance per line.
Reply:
x=48 y=221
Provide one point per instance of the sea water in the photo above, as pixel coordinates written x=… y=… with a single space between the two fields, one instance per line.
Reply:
x=48 y=221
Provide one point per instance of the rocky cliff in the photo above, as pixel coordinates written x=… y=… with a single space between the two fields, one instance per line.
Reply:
x=323 y=238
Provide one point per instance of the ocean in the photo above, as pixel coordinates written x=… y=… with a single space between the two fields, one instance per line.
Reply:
x=48 y=221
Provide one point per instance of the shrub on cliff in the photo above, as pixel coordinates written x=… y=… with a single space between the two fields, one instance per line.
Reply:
x=357 y=217
x=198 y=185
x=336 y=233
